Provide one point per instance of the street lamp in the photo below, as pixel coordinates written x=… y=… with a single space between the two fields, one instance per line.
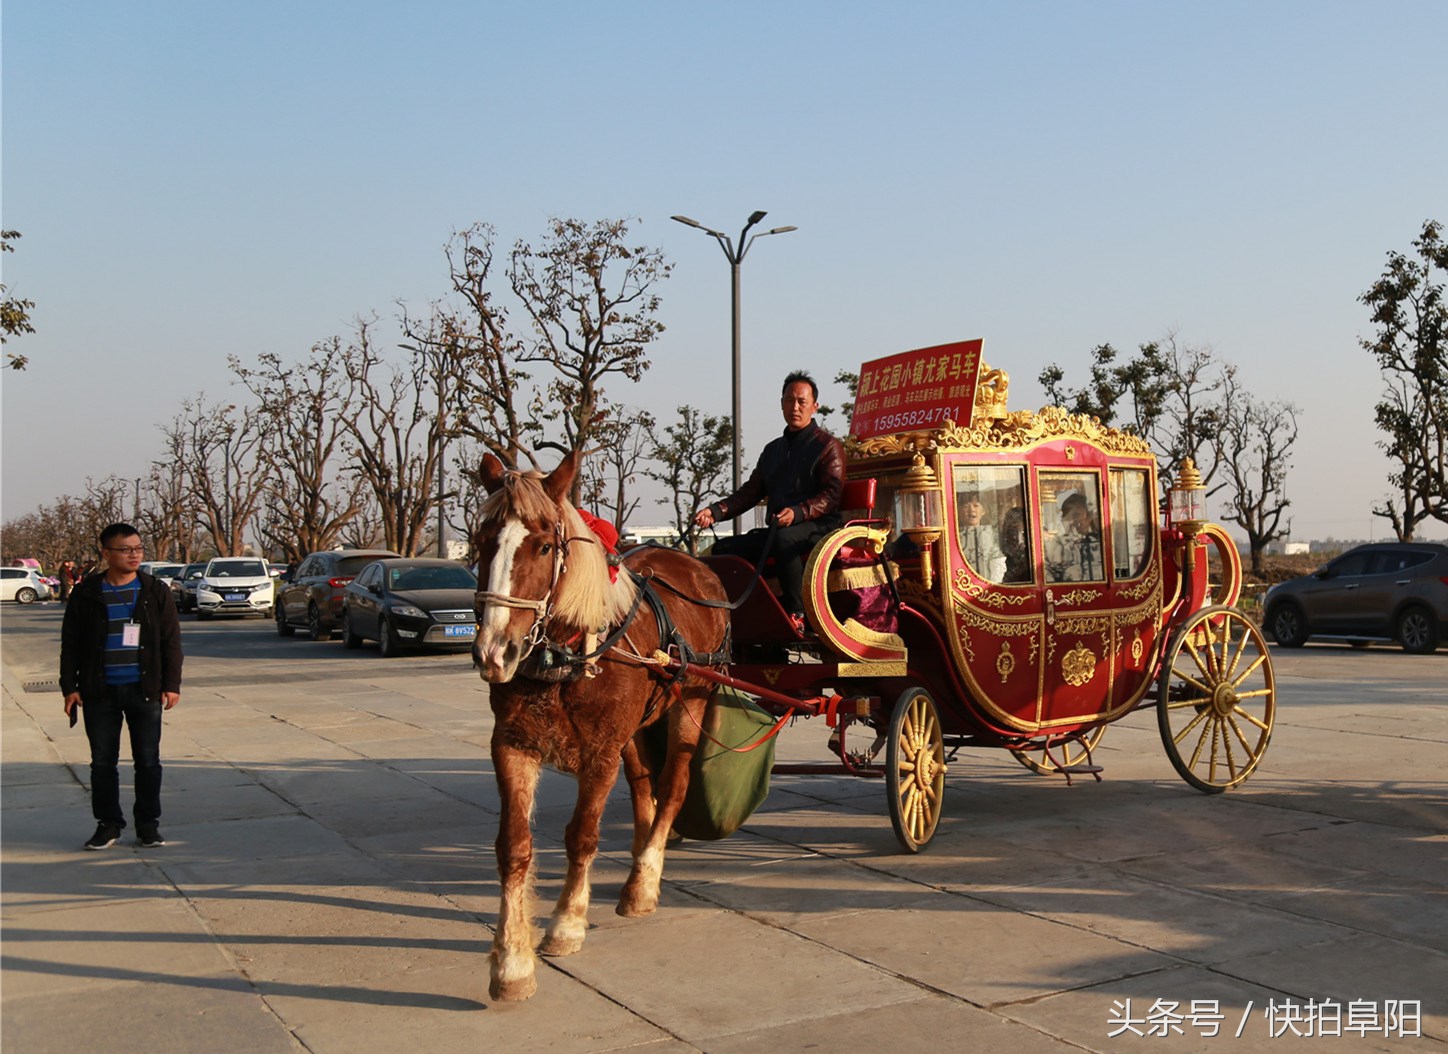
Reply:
x=735 y=258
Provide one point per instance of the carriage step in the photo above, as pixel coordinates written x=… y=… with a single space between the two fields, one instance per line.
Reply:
x=1082 y=770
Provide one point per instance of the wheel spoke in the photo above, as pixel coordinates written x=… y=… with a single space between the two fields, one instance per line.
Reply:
x=1263 y=725
x=1194 y=701
x=1241 y=650
x=1191 y=650
x=1237 y=729
x=1256 y=664
x=1187 y=728
x=1256 y=693
x=1192 y=681
x=1227 y=746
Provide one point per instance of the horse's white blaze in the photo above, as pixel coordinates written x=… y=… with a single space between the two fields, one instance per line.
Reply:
x=500 y=576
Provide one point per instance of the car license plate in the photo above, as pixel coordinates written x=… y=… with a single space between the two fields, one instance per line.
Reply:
x=459 y=631
x=235 y=596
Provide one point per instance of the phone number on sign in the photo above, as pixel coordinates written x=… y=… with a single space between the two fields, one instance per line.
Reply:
x=912 y=419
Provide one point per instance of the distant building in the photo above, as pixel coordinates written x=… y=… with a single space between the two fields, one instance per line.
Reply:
x=659 y=535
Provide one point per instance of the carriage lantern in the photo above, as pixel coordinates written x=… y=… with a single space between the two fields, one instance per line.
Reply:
x=1188 y=503
x=920 y=516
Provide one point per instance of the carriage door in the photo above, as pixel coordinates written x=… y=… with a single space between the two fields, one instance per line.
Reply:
x=1080 y=653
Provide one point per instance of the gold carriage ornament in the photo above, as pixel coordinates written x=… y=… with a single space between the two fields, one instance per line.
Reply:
x=1187 y=501
x=920 y=516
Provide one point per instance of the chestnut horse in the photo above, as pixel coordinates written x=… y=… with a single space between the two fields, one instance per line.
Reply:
x=545 y=592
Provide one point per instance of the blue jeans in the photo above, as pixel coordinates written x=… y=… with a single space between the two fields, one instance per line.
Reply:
x=103 y=718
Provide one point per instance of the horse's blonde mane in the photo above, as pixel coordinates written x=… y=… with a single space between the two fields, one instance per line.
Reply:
x=586 y=599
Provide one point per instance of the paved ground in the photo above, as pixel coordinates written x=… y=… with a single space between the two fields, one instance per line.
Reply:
x=329 y=882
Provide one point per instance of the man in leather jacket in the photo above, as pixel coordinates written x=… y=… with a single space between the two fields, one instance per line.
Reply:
x=800 y=475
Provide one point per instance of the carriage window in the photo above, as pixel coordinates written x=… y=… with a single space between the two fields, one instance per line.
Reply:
x=1071 y=527
x=1132 y=523
x=991 y=523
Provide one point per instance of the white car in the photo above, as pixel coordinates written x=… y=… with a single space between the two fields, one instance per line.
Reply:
x=235 y=585
x=22 y=585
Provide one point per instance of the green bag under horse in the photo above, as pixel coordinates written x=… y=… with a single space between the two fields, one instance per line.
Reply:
x=726 y=783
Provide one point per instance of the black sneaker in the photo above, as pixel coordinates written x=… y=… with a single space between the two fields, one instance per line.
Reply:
x=149 y=837
x=105 y=836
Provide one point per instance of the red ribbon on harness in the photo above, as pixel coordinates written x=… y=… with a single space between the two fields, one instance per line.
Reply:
x=607 y=536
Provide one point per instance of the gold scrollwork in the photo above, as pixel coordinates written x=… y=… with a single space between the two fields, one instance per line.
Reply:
x=1083 y=625
x=1020 y=428
x=1078 y=664
x=1136 y=649
x=970 y=619
x=1005 y=661
x=989 y=597
x=1078 y=596
x=1145 y=586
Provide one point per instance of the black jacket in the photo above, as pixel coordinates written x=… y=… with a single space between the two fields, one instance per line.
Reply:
x=804 y=470
x=83 y=640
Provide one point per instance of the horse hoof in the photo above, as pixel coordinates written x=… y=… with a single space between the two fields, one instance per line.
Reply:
x=513 y=991
x=560 y=945
x=632 y=910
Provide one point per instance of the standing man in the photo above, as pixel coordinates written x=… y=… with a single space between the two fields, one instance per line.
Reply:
x=120 y=661
x=800 y=474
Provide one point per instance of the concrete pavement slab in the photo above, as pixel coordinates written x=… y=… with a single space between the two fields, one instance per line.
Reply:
x=980 y=952
x=150 y=939
x=921 y=1026
x=224 y=1016
x=447 y=1010
x=1360 y=966
x=1192 y=926
x=710 y=974
x=360 y=920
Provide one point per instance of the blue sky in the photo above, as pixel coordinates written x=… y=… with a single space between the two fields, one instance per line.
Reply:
x=201 y=180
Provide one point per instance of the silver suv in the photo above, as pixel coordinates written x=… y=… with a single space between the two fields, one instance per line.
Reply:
x=313 y=598
x=1379 y=592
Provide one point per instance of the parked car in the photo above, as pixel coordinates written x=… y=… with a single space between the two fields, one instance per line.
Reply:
x=1382 y=591
x=410 y=603
x=313 y=597
x=162 y=570
x=34 y=565
x=23 y=585
x=235 y=585
x=183 y=586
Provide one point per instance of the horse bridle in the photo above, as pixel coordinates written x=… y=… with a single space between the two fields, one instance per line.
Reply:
x=542 y=607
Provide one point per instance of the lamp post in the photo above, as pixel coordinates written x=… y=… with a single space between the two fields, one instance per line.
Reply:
x=735 y=256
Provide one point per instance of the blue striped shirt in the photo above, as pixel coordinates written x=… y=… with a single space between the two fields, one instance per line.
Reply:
x=123 y=664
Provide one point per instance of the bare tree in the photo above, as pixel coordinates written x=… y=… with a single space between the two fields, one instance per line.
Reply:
x=305 y=505
x=1411 y=346
x=168 y=512
x=492 y=390
x=1256 y=442
x=622 y=443
x=1169 y=393
x=592 y=303
x=400 y=420
x=219 y=447
x=693 y=456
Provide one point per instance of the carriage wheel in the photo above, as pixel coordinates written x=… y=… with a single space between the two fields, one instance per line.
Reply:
x=1216 y=698
x=915 y=769
x=1072 y=752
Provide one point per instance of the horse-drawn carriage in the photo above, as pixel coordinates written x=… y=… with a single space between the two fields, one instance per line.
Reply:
x=1002 y=580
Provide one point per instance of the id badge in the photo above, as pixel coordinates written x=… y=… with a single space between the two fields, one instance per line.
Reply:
x=131 y=635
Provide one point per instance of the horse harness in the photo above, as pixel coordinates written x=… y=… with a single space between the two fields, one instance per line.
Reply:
x=552 y=662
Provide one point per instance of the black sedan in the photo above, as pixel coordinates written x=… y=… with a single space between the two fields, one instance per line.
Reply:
x=410 y=603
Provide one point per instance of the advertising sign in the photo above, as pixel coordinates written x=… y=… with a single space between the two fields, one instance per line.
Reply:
x=917 y=390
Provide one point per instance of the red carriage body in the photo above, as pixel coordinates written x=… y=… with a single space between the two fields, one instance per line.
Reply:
x=929 y=634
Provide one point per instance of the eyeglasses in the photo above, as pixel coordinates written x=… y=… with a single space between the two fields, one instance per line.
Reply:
x=127 y=549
